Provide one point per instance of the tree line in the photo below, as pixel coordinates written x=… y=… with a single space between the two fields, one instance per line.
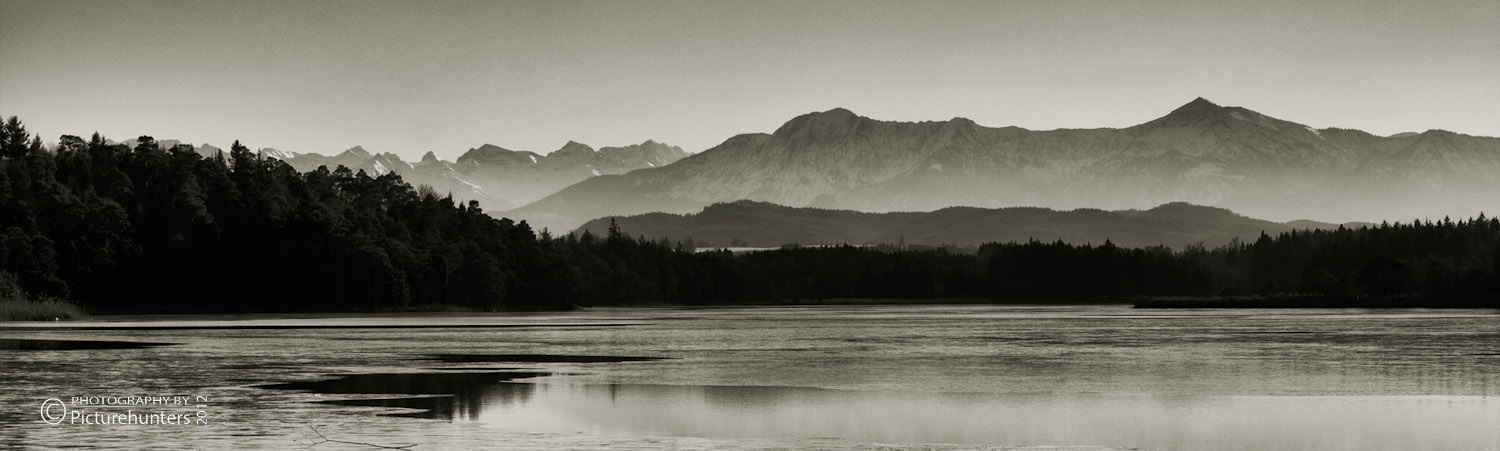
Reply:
x=143 y=228
x=148 y=229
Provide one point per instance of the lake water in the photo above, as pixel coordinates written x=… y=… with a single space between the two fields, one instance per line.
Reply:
x=825 y=377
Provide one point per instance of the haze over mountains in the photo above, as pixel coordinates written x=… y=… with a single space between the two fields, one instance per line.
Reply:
x=498 y=178
x=1201 y=153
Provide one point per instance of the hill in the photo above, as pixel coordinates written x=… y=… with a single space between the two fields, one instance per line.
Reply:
x=761 y=224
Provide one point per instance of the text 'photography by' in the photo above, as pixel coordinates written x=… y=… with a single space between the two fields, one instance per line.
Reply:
x=783 y=224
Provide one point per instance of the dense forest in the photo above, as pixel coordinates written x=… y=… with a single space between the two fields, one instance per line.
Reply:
x=122 y=229
x=147 y=229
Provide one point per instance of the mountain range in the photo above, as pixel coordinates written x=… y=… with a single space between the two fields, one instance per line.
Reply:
x=1202 y=153
x=760 y=224
x=498 y=178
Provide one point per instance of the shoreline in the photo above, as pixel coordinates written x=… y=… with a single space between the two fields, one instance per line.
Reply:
x=1304 y=302
x=437 y=312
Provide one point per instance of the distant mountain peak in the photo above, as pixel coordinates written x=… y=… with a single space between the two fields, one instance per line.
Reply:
x=429 y=157
x=833 y=115
x=833 y=121
x=838 y=112
x=1199 y=107
x=574 y=147
x=490 y=153
x=356 y=151
x=1185 y=208
x=209 y=151
x=1201 y=112
x=963 y=121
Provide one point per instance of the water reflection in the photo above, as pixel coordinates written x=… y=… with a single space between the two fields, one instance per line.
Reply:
x=406 y=383
x=559 y=405
x=1151 y=422
x=537 y=358
x=19 y=344
x=1044 y=376
x=454 y=395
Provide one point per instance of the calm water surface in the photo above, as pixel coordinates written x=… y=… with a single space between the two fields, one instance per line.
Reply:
x=1080 y=377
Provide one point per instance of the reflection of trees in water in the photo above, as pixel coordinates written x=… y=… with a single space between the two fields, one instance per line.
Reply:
x=16 y=344
x=504 y=394
x=461 y=395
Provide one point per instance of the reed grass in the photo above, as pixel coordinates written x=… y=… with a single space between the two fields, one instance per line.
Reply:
x=21 y=309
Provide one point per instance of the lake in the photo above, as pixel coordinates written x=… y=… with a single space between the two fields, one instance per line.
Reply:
x=824 y=377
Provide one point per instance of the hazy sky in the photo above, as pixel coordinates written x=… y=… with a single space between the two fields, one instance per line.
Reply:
x=408 y=77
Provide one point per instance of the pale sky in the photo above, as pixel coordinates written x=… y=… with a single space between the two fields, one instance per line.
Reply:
x=409 y=77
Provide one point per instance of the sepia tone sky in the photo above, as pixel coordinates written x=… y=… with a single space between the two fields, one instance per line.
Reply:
x=408 y=77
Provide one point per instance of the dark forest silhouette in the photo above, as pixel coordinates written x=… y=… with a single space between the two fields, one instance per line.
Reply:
x=147 y=229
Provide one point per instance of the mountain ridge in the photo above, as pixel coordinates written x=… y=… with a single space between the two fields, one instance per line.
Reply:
x=760 y=224
x=1202 y=153
x=498 y=177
